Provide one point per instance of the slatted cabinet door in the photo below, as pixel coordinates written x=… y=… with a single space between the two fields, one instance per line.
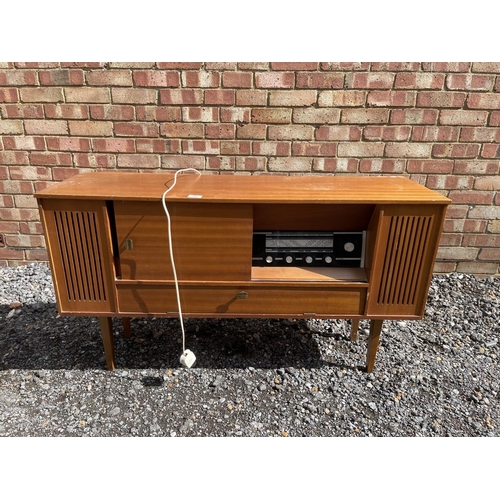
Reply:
x=404 y=255
x=78 y=239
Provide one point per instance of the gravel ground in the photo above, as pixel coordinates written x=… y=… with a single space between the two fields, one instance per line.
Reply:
x=435 y=377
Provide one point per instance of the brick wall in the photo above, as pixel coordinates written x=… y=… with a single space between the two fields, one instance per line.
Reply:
x=437 y=123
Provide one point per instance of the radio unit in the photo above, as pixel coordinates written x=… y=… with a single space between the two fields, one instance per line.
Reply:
x=308 y=248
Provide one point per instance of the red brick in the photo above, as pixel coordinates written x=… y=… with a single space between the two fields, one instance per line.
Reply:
x=68 y=144
x=251 y=97
x=63 y=173
x=395 y=66
x=370 y=80
x=50 y=159
x=320 y=80
x=480 y=134
x=470 y=82
x=16 y=187
x=490 y=254
x=251 y=164
x=484 y=212
x=382 y=165
x=200 y=79
x=91 y=128
x=158 y=145
x=181 y=96
x=494 y=119
x=290 y=164
x=223 y=97
x=273 y=80
x=8 y=95
x=112 y=112
x=51 y=94
x=24 y=143
x=294 y=66
x=11 y=253
x=197 y=114
x=316 y=115
x=19 y=214
x=67 y=111
x=153 y=78
x=430 y=166
x=360 y=149
x=193 y=130
x=46 y=127
x=6 y=201
x=39 y=254
x=109 y=78
x=449 y=182
x=291 y=132
x=488 y=151
x=113 y=145
x=475 y=167
x=345 y=66
x=17 y=78
x=158 y=113
x=134 y=96
x=414 y=116
x=474 y=226
x=408 y=150
x=435 y=134
x=444 y=267
x=341 y=165
x=9 y=227
x=270 y=148
x=11 y=127
x=21 y=111
x=456 y=211
x=455 y=150
x=391 y=98
x=35 y=173
x=457 y=253
x=235 y=147
x=14 y=157
x=138 y=161
x=450 y=240
x=463 y=117
x=419 y=81
x=314 y=149
x=387 y=133
x=446 y=67
x=4 y=173
x=471 y=197
x=95 y=160
x=87 y=95
x=441 y=99
x=253 y=131
x=201 y=147
x=292 y=97
x=179 y=65
x=338 y=133
x=235 y=115
x=483 y=101
x=486 y=67
x=25 y=240
x=364 y=116
x=62 y=77
x=481 y=240
x=254 y=65
x=34 y=65
x=236 y=79
x=272 y=115
x=183 y=161
x=82 y=65
x=221 y=163
x=342 y=98
x=136 y=129
x=487 y=183
x=220 y=131
x=220 y=65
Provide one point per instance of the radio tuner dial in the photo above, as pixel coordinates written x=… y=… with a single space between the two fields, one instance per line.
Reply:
x=269 y=259
x=328 y=259
x=309 y=259
x=288 y=259
x=349 y=246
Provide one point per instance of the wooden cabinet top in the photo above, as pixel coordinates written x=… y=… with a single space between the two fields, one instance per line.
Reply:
x=191 y=187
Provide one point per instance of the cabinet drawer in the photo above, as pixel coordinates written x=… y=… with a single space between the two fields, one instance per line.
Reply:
x=260 y=300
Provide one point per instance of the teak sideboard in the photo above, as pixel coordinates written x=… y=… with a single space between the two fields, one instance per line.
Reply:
x=107 y=241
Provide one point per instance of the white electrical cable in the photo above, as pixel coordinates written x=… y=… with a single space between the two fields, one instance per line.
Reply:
x=172 y=253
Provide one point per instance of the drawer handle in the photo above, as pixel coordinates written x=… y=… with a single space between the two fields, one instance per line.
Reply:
x=129 y=244
x=242 y=295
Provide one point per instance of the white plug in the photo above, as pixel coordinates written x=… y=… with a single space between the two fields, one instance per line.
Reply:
x=188 y=358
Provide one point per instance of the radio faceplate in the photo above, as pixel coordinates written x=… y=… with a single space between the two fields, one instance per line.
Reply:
x=308 y=248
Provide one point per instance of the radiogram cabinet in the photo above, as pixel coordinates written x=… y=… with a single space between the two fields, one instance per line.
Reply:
x=351 y=247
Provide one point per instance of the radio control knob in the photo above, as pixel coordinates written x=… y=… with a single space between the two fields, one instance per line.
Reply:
x=328 y=259
x=309 y=259
x=288 y=259
x=269 y=259
x=349 y=247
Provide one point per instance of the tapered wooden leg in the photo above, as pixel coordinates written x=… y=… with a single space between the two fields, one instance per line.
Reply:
x=373 y=338
x=107 y=340
x=354 y=329
x=126 y=327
